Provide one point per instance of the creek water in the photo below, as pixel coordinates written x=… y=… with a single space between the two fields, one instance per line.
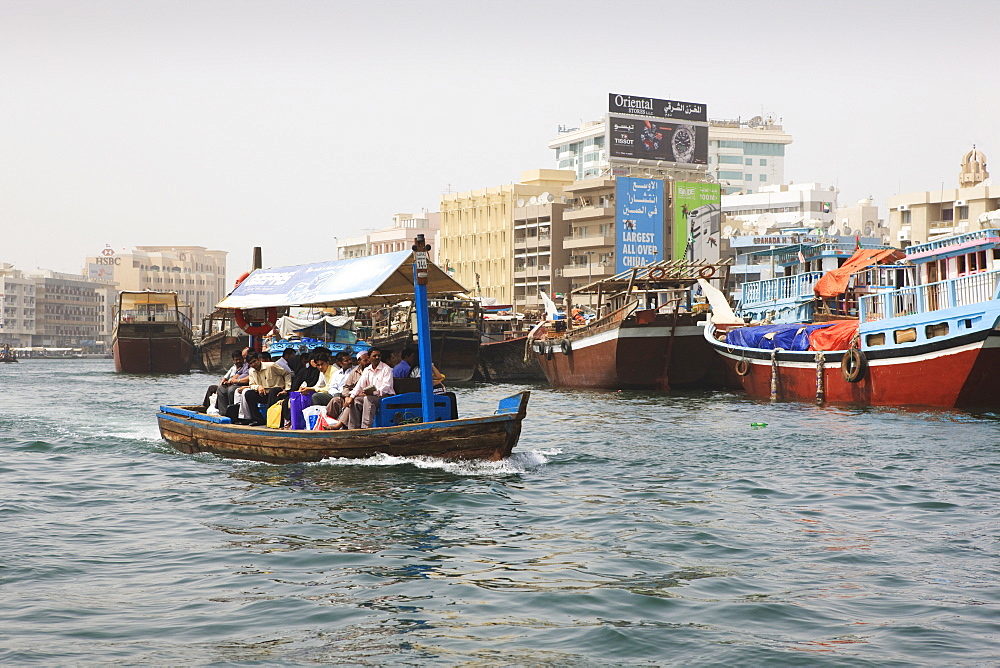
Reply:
x=627 y=529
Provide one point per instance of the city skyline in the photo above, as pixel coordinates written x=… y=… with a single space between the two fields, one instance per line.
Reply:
x=231 y=125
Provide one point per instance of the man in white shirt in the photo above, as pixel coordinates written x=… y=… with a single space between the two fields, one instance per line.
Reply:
x=375 y=383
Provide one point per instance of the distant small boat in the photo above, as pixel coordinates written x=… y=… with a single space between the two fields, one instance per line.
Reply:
x=151 y=334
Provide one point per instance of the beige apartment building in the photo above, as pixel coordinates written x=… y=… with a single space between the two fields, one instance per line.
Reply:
x=196 y=274
x=916 y=218
x=477 y=231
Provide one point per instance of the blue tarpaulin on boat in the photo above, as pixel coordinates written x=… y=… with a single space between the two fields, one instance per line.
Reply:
x=767 y=337
x=386 y=278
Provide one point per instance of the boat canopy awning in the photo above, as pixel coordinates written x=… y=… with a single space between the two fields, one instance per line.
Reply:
x=834 y=282
x=130 y=299
x=288 y=326
x=375 y=280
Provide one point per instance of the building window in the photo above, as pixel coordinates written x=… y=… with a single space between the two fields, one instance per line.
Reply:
x=748 y=177
x=761 y=148
x=731 y=159
x=904 y=218
x=731 y=175
x=763 y=162
x=763 y=177
x=749 y=161
x=730 y=144
x=962 y=212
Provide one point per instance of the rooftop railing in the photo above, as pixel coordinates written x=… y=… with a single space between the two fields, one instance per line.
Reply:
x=777 y=289
x=958 y=240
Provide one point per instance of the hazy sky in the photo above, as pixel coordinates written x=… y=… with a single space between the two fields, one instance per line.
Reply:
x=286 y=124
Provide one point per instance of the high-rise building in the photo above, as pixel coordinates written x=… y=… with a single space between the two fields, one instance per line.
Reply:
x=920 y=217
x=17 y=307
x=477 y=232
x=399 y=236
x=743 y=156
x=196 y=274
x=66 y=308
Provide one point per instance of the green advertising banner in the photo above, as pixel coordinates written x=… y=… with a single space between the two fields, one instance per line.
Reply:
x=697 y=217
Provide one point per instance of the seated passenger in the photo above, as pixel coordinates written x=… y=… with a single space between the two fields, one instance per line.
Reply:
x=230 y=375
x=407 y=360
x=338 y=409
x=437 y=376
x=375 y=382
x=228 y=390
x=268 y=383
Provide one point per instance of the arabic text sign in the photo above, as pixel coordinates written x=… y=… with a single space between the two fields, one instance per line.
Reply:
x=638 y=222
x=656 y=108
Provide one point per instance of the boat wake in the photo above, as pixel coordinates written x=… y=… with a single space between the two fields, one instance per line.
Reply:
x=519 y=462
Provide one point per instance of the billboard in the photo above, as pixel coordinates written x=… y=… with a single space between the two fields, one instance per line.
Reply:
x=656 y=140
x=100 y=272
x=697 y=219
x=639 y=206
x=655 y=108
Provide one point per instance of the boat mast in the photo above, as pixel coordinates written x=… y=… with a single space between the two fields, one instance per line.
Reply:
x=420 y=250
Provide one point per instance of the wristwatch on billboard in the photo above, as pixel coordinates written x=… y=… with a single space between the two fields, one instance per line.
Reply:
x=682 y=143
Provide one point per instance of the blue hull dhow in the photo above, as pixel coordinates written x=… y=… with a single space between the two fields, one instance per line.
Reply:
x=491 y=437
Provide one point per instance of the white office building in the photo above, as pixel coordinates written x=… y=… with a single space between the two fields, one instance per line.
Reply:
x=743 y=156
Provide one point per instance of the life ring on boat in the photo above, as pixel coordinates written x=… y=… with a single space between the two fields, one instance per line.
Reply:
x=656 y=273
x=742 y=366
x=271 y=315
x=566 y=347
x=242 y=278
x=706 y=272
x=853 y=365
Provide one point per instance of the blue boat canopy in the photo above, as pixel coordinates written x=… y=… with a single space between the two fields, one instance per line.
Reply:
x=386 y=278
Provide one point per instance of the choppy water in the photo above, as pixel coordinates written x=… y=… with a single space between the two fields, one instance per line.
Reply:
x=628 y=529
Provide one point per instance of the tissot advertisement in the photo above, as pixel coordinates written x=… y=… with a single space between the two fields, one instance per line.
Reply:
x=638 y=222
x=653 y=107
x=697 y=218
x=657 y=140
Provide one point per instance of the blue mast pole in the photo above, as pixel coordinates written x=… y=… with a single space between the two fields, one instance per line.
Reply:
x=420 y=250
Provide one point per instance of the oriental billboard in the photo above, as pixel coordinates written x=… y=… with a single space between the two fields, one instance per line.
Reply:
x=697 y=221
x=639 y=206
x=652 y=131
x=631 y=105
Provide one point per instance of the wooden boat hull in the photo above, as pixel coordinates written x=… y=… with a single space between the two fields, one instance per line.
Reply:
x=634 y=354
x=485 y=438
x=503 y=362
x=217 y=351
x=958 y=372
x=152 y=348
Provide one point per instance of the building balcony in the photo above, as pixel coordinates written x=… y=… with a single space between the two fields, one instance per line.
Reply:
x=533 y=271
x=589 y=241
x=540 y=241
x=588 y=213
x=592 y=270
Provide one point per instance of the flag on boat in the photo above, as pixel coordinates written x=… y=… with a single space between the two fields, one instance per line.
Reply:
x=802 y=258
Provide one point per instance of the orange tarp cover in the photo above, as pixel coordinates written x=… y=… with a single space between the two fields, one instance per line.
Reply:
x=835 y=337
x=834 y=282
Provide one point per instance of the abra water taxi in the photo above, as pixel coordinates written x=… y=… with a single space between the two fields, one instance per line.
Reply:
x=407 y=425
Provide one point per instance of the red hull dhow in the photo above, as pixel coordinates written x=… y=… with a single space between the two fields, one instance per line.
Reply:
x=151 y=334
x=933 y=344
x=651 y=338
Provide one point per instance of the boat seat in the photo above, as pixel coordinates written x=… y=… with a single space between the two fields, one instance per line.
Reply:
x=404 y=408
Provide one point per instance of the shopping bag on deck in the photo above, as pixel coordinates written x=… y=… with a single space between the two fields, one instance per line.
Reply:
x=314 y=415
x=296 y=403
x=274 y=416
